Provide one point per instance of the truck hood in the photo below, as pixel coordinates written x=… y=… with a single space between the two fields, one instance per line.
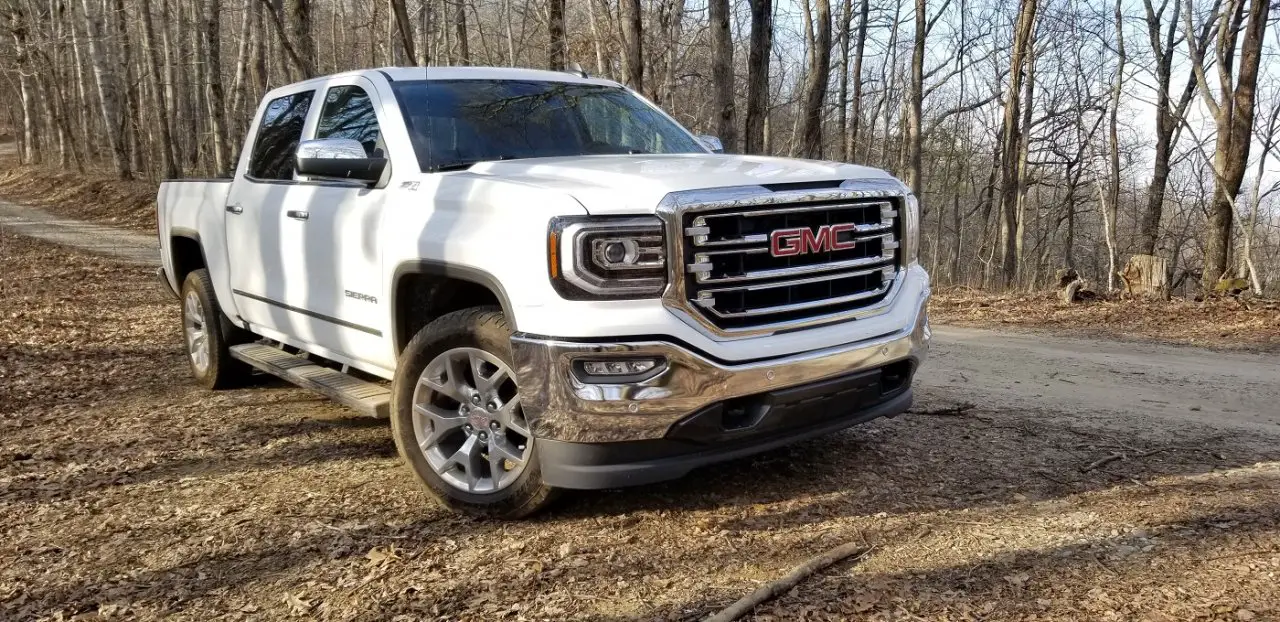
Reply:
x=635 y=184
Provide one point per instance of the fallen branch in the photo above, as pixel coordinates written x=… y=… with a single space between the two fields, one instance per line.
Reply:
x=1101 y=461
x=1138 y=454
x=777 y=587
x=959 y=410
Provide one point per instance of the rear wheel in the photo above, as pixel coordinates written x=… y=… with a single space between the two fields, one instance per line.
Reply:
x=208 y=334
x=457 y=418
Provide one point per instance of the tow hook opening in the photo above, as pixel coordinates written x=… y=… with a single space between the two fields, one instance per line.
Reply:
x=894 y=376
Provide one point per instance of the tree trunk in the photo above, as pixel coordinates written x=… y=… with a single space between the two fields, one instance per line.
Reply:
x=597 y=41
x=103 y=79
x=811 y=108
x=303 y=38
x=460 y=30
x=722 y=75
x=672 y=24
x=130 y=115
x=555 y=35
x=760 y=47
x=1013 y=141
x=916 y=103
x=632 y=45
x=29 y=152
x=851 y=141
x=405 y=28
x=213 y=73
x=1233 y=116
x=168 y=164
x=1168 y=115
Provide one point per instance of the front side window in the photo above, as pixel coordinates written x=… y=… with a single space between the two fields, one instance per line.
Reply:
x=348 y=113
x=278 y=136
x=455 y=123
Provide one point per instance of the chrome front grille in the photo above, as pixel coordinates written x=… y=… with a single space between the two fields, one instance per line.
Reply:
x=736 y=283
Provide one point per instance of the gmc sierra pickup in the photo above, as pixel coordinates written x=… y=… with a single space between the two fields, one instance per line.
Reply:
x=544 y=281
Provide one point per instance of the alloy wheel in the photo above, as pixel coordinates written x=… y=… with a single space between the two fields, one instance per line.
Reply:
x=468 y=422
x=197 y=334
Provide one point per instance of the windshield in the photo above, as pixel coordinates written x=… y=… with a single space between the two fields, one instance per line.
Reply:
x=456 y=123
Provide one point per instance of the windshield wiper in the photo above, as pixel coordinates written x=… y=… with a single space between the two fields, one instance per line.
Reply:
x=463 y=165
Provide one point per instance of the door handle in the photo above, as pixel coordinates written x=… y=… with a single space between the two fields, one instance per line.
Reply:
x=297 y=214
x=235 y=209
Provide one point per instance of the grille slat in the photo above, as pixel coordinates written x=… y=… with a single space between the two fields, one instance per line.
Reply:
x=736 y=281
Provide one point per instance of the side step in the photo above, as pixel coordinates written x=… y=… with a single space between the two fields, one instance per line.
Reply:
x=365 y=397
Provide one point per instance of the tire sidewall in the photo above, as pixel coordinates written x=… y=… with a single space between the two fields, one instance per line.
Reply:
x=484 y=328
x=198 y=281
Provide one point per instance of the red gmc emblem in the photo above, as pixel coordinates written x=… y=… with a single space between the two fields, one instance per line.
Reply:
x=803 y=240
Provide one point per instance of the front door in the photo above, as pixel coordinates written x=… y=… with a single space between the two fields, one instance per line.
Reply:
x=332 y=256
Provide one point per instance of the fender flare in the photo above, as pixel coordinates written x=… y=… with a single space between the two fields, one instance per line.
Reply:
x=453 y=271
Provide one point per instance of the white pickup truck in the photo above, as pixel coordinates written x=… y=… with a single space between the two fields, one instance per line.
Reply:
x=544 y=281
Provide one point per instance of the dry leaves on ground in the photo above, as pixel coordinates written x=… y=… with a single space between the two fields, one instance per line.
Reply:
x=128 y=493
x=1221 y=323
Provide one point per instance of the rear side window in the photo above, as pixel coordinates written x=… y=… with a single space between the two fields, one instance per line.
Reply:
x=278 y=136
x=348 y=113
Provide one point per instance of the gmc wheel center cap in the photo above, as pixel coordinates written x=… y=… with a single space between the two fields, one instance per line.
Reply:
x=478 y=418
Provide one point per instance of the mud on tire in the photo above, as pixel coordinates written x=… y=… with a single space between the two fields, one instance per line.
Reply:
x=483 y=334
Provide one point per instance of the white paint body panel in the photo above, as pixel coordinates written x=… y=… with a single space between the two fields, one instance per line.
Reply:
x=492 y=218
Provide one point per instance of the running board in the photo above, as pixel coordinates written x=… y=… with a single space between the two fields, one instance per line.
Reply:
x=366 y=398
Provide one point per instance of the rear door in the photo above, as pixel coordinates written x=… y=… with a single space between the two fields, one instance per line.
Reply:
x=258 y=230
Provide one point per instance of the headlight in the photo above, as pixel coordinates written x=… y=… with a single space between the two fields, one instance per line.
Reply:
x=607 y=258
x=911 y=230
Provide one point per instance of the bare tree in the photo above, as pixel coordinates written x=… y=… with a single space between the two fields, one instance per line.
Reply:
x=722 y=73
x=1013 y=140
x=108 y=97
x=405 y=28
x=1232 y=112
x=632 y=35
x=758 y=74
x=168 y=163
x=816 y=76
x=1169 y=112
x=555 y=35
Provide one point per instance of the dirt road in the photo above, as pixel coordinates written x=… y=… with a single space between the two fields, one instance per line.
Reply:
x=97 y=239
x=1168 y=385
x=1082 y=484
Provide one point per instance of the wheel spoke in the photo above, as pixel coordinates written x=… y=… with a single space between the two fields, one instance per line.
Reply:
x=442 y=423
x=509 y=416
x=490 y=382
x=469 y=457
x=458 y=374
x=504 y=449
x=451 y=385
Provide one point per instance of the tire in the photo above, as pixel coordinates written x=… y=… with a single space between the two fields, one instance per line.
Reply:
x=481 y=333
x=215 y=369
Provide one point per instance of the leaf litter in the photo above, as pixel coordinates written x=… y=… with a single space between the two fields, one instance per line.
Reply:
x=128 y=493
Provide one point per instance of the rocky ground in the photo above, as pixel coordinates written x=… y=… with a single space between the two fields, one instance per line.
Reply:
x=128 y=493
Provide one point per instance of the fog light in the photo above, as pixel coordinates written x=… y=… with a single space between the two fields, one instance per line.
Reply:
x=619 y=367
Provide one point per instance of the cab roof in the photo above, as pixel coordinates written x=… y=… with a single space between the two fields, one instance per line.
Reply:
x=397 y=74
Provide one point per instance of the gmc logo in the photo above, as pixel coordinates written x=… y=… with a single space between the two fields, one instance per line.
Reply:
x=802 y=240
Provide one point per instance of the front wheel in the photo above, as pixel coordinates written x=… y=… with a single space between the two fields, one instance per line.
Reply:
x=457 y=420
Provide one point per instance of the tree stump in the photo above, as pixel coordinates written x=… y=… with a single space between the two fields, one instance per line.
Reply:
x=1146 y=276
x=1072 y=288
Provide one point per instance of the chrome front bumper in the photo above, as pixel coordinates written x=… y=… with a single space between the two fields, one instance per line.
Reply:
x=561 y=406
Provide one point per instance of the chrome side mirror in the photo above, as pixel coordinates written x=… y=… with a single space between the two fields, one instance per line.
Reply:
x=338 y=158
x=711 y=142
